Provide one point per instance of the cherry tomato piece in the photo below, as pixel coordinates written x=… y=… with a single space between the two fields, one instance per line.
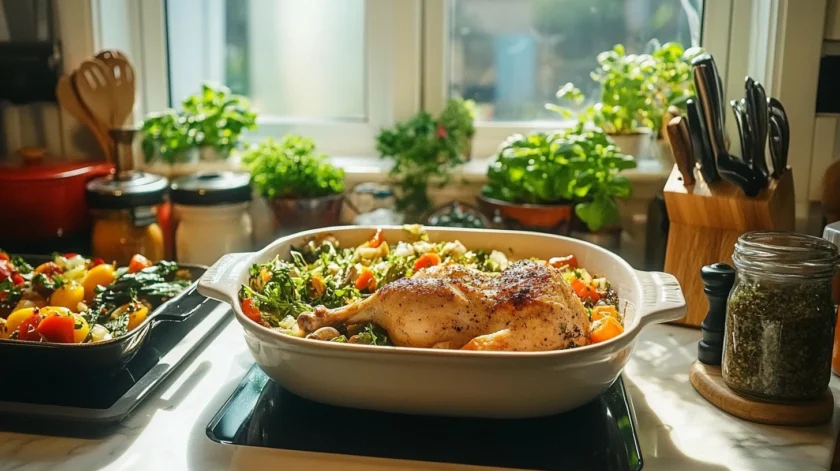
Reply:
x=57 y=328
x=251 y=311
x=5 y=270
x=137 y=263
x=17 y=279
x=4 y=256
x=27 y=328
x=96 y=262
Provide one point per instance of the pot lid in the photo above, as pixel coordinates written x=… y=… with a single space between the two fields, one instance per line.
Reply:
x=32 y=164
x=212 y=188
x=130 y=191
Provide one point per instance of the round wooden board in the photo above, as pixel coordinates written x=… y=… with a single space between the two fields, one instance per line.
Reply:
x=707 y=380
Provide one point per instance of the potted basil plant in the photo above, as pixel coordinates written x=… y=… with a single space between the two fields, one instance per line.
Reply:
x=530 y=183
x=561 y=182
x=217 y=119
x=303 y=189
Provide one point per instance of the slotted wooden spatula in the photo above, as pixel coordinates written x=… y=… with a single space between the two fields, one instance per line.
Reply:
x=123 y=82
x=94 y=83
x=69 y=100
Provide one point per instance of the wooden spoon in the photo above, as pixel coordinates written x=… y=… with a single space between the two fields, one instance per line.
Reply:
x=107 y=54
x=69 y=100
x=124 y=87
x=94 y=82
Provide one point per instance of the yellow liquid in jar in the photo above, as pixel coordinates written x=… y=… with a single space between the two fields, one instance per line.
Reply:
x=117 y=240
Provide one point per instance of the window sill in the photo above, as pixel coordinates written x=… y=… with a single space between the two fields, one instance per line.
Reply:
x=375 y=169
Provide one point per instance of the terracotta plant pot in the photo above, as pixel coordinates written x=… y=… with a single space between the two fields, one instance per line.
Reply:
x=300 y=214
x=550 y=218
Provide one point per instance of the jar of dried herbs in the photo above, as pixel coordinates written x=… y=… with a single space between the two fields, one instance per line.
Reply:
x=780 y=317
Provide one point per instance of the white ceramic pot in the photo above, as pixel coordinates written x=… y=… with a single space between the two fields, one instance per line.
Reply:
x=452 y=382
x=640 y=145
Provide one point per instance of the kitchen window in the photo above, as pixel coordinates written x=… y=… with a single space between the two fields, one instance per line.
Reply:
x=339 y=70
x=511 y=56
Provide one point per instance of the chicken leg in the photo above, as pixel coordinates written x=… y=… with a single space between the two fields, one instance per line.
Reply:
x=529 y=307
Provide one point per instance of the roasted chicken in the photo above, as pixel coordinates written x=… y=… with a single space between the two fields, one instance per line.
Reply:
x=529 y=307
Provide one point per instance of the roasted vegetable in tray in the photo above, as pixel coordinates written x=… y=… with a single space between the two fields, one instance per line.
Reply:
x=71 y=299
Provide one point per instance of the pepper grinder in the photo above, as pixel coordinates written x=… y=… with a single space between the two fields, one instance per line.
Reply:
x=717 y=280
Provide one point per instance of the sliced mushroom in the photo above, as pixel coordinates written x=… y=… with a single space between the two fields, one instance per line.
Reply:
x=324 y=333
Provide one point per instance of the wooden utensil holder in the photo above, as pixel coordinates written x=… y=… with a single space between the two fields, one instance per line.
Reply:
x=706 y=221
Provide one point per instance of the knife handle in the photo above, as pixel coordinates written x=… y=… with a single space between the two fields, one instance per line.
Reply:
x=681 y=148
x=707 y=94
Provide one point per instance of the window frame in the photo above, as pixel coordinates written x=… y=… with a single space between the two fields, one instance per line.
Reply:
x=716 y=27
x=392 y=70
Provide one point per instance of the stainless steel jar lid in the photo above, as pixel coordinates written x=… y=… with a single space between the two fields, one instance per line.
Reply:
x=212 y=188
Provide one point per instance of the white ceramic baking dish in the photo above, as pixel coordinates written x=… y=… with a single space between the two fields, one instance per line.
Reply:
x=452 y=382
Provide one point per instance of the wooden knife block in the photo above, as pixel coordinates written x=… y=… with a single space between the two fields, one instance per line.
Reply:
x=706 y=221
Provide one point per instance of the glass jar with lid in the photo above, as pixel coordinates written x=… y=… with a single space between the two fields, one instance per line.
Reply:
x=780 y=317
x=212 y=215
x=124 y=208
x=124 y=214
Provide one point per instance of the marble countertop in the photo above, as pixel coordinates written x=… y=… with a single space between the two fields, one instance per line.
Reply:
x=678 y=429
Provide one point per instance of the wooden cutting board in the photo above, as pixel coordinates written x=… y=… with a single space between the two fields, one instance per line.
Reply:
x=707 y=380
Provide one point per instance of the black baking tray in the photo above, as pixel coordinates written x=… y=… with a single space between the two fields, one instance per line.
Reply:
x=599 y=436
x=56 y=361
x=92 y=403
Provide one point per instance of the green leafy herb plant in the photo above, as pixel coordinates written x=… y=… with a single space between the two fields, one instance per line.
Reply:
x=425 y=148
x=217 y=118
x=578 y=165
x=636 y=90
x=291 y=168
x=213 y=119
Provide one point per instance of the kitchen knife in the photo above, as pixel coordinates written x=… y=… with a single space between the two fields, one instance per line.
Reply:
x=743 y=129
x=779 y=136
x=738 y=172
x=759 y=120
x=700 y=142
x=708 y=96
x=678 y=136
x=730 y=168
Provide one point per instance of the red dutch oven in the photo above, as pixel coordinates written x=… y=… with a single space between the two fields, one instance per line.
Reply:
x=43 y=202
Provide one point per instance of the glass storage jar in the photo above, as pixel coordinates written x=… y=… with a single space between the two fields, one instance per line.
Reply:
x=212 y=215
x=124 y=209
x=780 y=317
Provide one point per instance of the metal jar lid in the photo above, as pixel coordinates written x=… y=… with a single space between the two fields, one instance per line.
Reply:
x=212 y=188
x=132 y=190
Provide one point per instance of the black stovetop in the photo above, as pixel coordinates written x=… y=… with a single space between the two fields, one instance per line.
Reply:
x=600 y=435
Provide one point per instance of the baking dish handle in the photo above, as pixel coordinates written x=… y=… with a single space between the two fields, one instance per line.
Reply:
x=662 y=298
x=221 y=281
